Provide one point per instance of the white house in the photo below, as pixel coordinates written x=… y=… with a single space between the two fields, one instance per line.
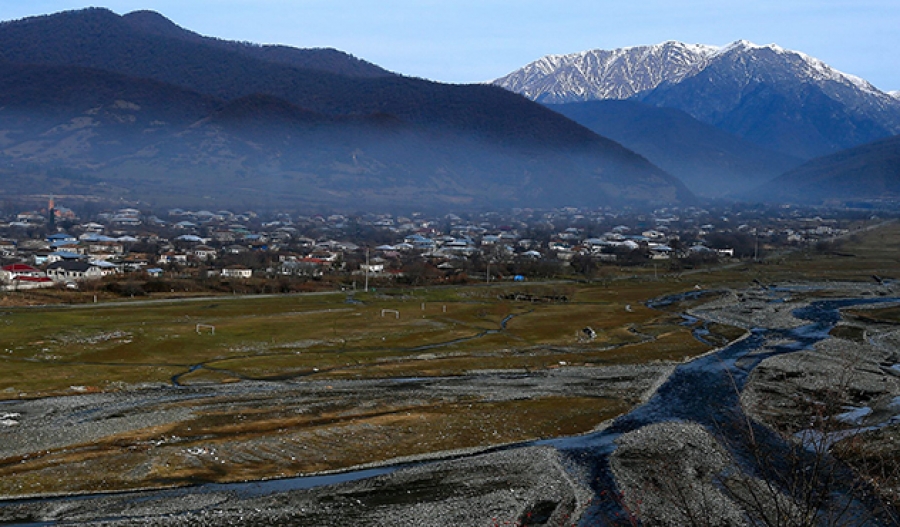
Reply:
x=372 y=268
x=204 y=252
x=236 y=272
x=21 y=276
x=68 y=270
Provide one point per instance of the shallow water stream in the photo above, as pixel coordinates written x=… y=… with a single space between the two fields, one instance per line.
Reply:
x=705 y=391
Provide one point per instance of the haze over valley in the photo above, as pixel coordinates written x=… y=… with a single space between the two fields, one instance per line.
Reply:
x=252 y=282
x=161 y=114
x=137 y=107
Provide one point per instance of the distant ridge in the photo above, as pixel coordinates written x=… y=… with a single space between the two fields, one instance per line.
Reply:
x=711 y=162
x=606 y=74
x=780 y=99
x=868 y=172
x=100 y=39
x=324 y=59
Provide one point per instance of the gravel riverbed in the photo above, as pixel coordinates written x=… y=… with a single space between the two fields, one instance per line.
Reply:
x=516 y=485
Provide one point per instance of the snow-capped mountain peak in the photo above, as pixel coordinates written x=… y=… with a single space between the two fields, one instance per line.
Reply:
x=625 y=72
x=779 y=98
x=607 y=74
x=805 y=65
x=746 y=45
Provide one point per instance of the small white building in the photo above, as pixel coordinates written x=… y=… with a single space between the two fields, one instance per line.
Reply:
x=204 y=253
x=372 y=268
x=69 y=270
x=236 y=272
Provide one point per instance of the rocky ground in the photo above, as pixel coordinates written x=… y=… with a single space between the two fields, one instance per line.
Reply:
x=671 y=473
x=58 y=422
x=837 y=401
x=162 y=436
x=843 y=395
x=524 y=486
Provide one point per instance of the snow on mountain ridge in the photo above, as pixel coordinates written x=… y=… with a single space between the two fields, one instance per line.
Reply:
x=817 y=68
x=747 y=45
x=624 y=72
x=607 y=74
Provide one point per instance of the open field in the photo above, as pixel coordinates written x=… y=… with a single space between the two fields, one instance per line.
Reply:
x=280 y=386
x=179 y=391
x=411 y=333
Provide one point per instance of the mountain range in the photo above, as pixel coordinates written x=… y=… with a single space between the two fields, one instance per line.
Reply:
x=136 y=107
x=780 y=99
x=606 y=74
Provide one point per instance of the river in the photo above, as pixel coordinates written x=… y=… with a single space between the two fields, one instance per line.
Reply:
x=705 y=391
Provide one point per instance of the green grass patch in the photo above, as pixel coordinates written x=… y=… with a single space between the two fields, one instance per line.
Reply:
x=440 y=331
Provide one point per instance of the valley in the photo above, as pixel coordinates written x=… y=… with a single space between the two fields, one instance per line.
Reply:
x=319 y=396
x=256 y=284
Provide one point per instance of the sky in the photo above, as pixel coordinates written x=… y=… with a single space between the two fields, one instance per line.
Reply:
x=478 y=40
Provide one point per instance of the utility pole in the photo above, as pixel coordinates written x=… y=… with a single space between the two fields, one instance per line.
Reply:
x=756 y=247
x=367 y=269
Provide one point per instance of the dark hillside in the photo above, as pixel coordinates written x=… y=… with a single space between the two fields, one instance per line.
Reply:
x=710 y=161
x=867 y=172
x=324 y=59
x=98 y=38
x=87 y=131
x=54 y=91
x=157 y=113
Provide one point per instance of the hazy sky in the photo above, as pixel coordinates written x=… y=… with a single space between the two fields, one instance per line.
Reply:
x=478 y=40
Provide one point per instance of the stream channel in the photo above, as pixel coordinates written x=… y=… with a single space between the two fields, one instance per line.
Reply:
x=703 y=391
x=706 y=391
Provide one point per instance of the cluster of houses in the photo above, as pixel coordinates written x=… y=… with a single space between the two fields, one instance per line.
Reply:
x=61 y=258
x=42 y=250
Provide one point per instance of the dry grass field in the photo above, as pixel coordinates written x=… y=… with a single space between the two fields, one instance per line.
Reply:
x=49 y=350
x=466 y=333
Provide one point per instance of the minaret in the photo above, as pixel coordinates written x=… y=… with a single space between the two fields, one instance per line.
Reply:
x=51 y=211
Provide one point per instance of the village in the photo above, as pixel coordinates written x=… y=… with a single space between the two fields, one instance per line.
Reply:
x=131 y=251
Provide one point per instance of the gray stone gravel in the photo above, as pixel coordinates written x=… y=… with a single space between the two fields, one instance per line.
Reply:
x=471 y=490
x=502 y=487
x=58 y=422
x=771 y=307
x=668 y=474
x=677 y=474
